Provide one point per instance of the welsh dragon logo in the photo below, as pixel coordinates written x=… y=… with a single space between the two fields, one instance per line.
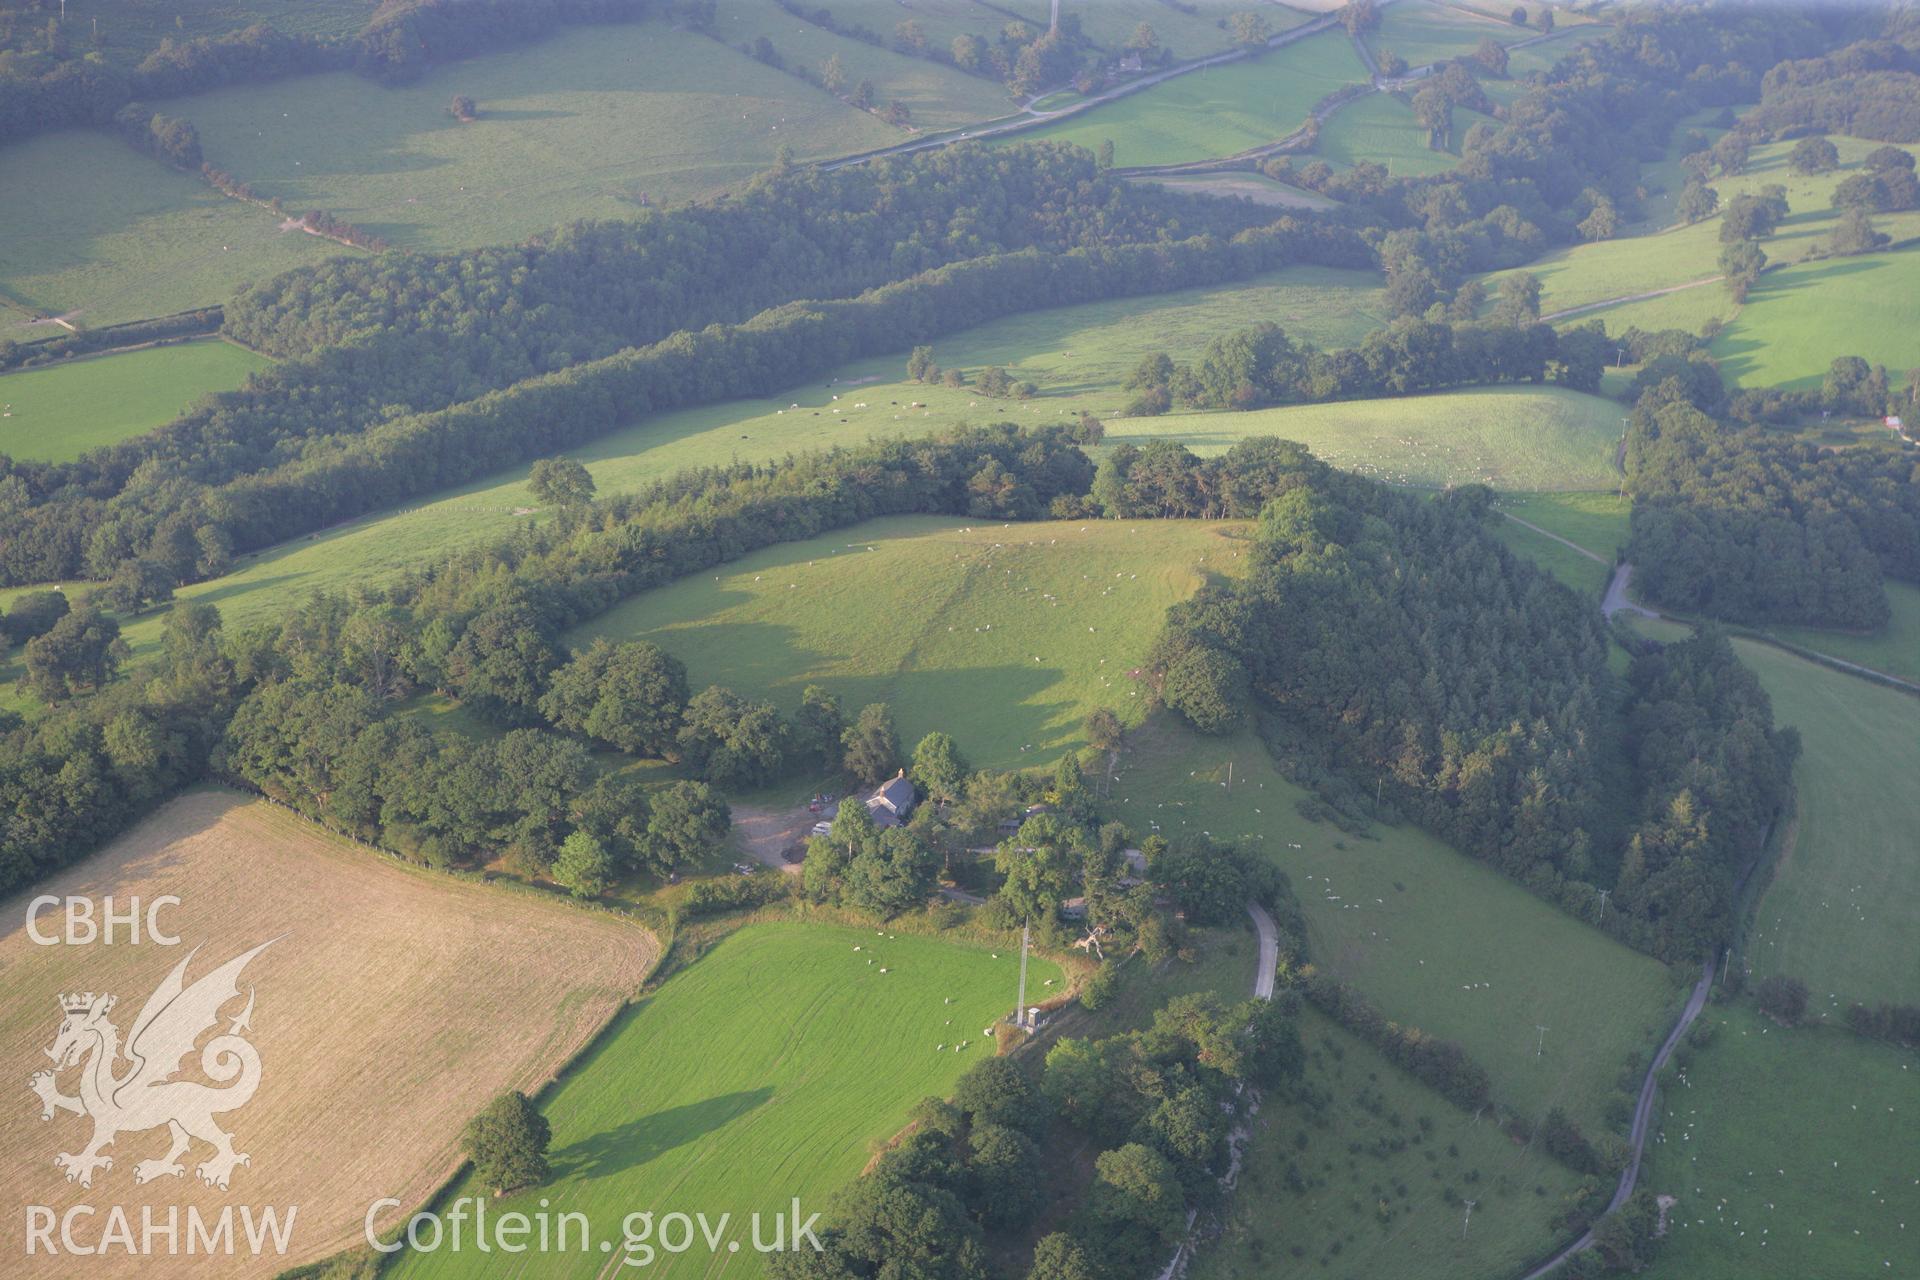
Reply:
x=143 y=1093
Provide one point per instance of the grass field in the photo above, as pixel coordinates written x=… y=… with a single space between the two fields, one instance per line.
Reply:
x=1380 y=127
x=1894 y=649
x=1219 y=111
x=1798 y=319
x=1357 y=1097
x=1508 y=437
x=1432 y=937
x=1423 y=32
x=1109 y=23
x=1794 y=322
x=586 y=124
x=1792 y=1154
x=1251 y=186
x=57 y=412
x=131 y=29
x=939 y=96
x=1005 y=638
x=766 y=1070
x=1380 y=1213
x=98 y=232
x=393 y=1004
x=1596 y=523
x=1078 y=355
x=1840 y=911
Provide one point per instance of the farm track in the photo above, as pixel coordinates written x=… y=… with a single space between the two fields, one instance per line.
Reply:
x=1565 y=542
x=1585 y=307
x=1642 y=1117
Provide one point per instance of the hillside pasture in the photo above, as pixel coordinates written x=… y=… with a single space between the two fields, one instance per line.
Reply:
x=1190 y=31
x=1078 y=355
x=1791 y=1153
x=1359 y=1174
x=1380 y=128
x=1894 y=649
x=1004 y=636
x=1845 y=892
x=392 y=1005
x=1594 y=523
x=1424 y=32
x=938 y=96
x=1529 y=438
x=1248 y=186
x=100 y=234
x=1431 y=937
x=1797 y=320
x=768 y=1069
x=1218 y=111
x=594 y=122
x=55 y=413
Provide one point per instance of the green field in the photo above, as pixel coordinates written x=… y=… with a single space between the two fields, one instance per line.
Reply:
x=1798 y=319
x=1432 y=937
x=587 y=124
x=1218 y=111
x=1791 y=1153
x=1335 y=1226
x=131 y=29
x=939 y=96
x=1794 y=322
x=1358 y=1097
x=1894 y=649
x=1423 y=32
x=1840 y=912
x=1595 y=523
x=1078 y=356
x=1251 y=186
x=1380 y=127
x=58 y=412
x=1109 y=23
x=97 y=232
x=1507 y=437
x=1004 y=636
x=768 y=1069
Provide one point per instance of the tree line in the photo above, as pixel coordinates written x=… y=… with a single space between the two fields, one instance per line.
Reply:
x=1261 y=366
x=419 y=333
x=1155 y=1105
x=1466 y=689
x=304 y=709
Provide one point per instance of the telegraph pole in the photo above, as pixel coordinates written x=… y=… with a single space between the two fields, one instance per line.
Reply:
x=1020 y=1008
x=1542 y=1046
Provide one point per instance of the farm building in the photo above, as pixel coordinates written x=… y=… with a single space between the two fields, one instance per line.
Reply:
x=891 y=804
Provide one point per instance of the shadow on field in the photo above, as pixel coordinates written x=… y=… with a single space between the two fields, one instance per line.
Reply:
x=648 y=1137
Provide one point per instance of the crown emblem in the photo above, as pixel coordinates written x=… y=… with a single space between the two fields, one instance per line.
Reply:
x=84 y=1001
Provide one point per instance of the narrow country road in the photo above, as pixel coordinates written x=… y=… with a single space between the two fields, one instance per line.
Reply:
x=1269 y=951
x=1642 y=1116
x=1617 y=601
x=1031 y=119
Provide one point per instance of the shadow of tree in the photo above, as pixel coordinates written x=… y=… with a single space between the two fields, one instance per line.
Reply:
x=648 y=1137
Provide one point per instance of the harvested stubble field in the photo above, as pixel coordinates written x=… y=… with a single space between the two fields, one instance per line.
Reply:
x=393 y=1004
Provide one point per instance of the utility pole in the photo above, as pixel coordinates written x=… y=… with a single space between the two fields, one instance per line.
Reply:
x=1467 y=1221
x=1229 y=777
x=1542 y=1046
x=1020 y=1008
x=1603 y=902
